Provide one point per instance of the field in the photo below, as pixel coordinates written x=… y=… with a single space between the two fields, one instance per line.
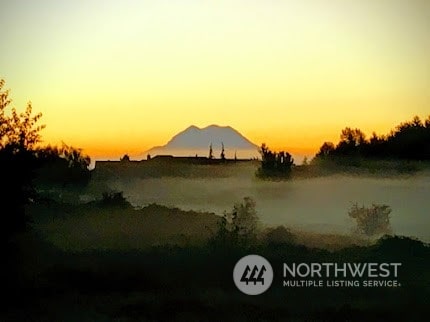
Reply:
x=156 y=254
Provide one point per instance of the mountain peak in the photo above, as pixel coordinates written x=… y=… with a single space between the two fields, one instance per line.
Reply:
x=194 y=140
x=192 y=127
x=217 y=127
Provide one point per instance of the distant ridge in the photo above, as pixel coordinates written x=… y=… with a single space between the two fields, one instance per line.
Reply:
x=194 y=140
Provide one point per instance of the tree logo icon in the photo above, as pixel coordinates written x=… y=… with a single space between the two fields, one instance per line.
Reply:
x=253 y=274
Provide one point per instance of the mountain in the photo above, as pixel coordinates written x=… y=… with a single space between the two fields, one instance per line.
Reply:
x=194 y=140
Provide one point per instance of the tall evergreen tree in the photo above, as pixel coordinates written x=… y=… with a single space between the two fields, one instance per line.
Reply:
x=211 y=155
x=222 y=151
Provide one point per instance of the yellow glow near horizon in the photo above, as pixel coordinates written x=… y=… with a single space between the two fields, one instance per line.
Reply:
x=120 y=77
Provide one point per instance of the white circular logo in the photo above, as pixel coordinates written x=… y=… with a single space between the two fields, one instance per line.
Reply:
x=253 y=274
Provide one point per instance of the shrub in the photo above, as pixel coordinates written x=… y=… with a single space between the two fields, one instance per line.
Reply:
x=371 y=221
x=278 y=236
x=114 y=199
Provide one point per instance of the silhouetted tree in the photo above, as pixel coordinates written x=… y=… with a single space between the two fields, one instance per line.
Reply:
x=18 y=132
x=325 y=150
x=305 y=161
x=21 y=161
x=410 y=140
x=268 y=158
x=274 y=164
x=125 y=158
x=352 y=136
x=211 y=155
x=222 y=152
x=351 y=140
x=18 y=136
x=62 y=165
x=427 y=122
x=375 y=147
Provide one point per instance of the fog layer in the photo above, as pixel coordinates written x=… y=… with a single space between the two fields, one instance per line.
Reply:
x=318 y=204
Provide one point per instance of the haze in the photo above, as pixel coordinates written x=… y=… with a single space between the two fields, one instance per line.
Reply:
x=317 y=204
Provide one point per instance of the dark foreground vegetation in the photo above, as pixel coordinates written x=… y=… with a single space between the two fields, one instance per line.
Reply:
x=194 y=282
x=159 y=263
x=104 y=260
x=25 y=164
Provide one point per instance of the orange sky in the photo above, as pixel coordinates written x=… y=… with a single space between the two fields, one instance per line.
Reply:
x=117 y=77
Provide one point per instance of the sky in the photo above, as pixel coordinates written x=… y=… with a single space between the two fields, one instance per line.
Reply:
x=115 y=77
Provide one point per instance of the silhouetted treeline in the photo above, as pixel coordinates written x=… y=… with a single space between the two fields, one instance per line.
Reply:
x=408 y=141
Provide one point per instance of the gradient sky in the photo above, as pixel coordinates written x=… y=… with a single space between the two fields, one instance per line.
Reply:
x=122 y=76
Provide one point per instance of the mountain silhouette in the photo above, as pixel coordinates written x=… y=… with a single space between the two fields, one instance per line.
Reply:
x=194 y=140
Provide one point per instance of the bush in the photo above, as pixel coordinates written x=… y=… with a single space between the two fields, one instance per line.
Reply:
x=279 y=236
x=114 y=199
x=371 y=221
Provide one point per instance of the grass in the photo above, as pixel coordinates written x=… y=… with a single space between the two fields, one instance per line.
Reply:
x=109 y=261
x=193 y=283
x=91 y=226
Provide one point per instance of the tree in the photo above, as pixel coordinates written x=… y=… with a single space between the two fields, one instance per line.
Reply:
x=222 y=152
x=62 y=165
x=19 y=134
x=238 y=227
x=371 y=221
x=125 y=158
x=410 y=141
x=243 y=221
x=268 y=158
x=17 y=131
x=325 y=150
x=351 y=142
x=427 y=122
x=211 y=155
x=274 y=164
x=305 y=161
x=352 y=137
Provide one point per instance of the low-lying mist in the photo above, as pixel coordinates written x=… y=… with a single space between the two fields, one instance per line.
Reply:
x=316 y=204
